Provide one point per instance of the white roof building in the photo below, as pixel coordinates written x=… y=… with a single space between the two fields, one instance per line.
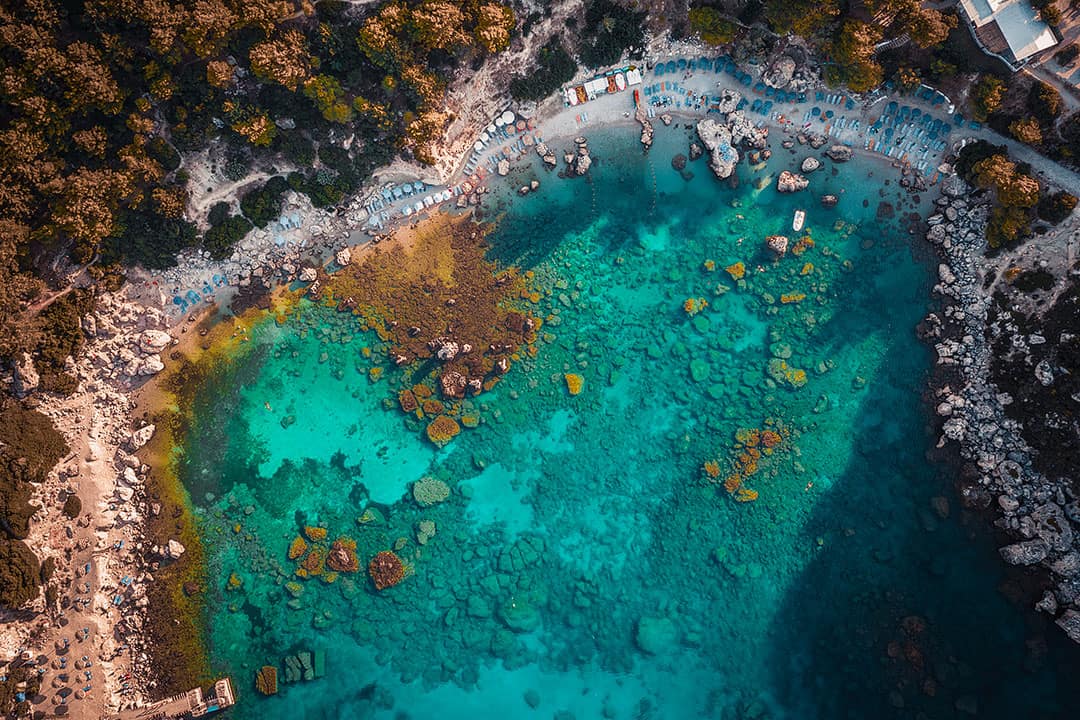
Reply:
x=1017 y=21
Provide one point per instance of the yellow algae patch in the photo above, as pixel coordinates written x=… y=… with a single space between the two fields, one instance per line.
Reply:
x=692 y=306
x=297 y=547
x=807 y=269
x=788 y=298
x=709 y=265
x=802 y=245
x=442 y=430
x=574 y=383
x=315 y=534
x=432 y=293
x=737 y=271
x=746 y=495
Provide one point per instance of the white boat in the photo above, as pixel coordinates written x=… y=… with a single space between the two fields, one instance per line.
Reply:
x=620 y=81
x=798 y=220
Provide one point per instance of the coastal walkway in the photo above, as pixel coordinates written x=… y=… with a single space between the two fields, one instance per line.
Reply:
x=191 y=704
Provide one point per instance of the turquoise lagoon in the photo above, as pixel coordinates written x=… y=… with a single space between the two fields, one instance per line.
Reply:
x=583 y=566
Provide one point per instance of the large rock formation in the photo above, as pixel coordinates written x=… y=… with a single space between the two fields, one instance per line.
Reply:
x=790 y=182
x=839 y=153
x=716 y=137
x=722 y=137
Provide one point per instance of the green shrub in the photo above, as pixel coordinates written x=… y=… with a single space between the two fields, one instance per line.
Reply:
x=19 y=573
x=148 y=239
x=554 y=68
x=72 y=506
x=712 y=26
x=1057 y=206
x=263 y=205
x=220 y=238
x=610 y=30
x=1067 y=55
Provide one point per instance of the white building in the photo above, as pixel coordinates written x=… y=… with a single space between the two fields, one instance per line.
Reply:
x=1015 y=22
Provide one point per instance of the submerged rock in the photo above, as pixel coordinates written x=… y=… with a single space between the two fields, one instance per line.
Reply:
x=656 y=635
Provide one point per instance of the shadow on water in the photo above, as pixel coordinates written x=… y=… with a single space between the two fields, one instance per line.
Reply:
x=901 y=614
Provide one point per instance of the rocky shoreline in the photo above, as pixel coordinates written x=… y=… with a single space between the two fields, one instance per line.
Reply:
x=1040 y=515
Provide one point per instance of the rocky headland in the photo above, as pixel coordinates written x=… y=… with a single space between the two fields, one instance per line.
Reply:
x=1038 y=514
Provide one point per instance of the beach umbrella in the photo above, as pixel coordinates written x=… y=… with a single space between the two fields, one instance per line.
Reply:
x=815 y=111
x=508 y=117
x=478 y=146
x=828 y=113
x=770 y=91
x=682 y=63
x=915 y=112
x=892 y=107
x=658 y=70
x=671 y=67
x=692 y=65
x=499 y=122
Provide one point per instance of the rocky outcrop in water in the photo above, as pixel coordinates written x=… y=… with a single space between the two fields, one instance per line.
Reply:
x=1041 y=514
x=716 y=137
x=790 y=182
x=839 y=153
x=810 y=164
x=722 y=137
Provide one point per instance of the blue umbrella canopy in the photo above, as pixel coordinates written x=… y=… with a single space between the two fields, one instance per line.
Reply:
x=815 y=111
x=828 y=113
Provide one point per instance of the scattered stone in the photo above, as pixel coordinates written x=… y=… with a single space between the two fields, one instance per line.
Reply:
x=810 y=164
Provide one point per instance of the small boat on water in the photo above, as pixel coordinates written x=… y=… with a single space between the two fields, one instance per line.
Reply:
x=620 y=81
x=798 y=220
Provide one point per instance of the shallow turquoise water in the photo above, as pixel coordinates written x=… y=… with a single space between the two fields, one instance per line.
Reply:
x=839 y=592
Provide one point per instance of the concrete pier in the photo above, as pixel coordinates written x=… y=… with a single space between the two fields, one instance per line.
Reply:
x=192 y=704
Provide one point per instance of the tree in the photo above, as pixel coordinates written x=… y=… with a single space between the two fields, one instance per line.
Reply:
x=554 y=68
x=1026 y=130
x=907 y=78
x=986 y=97
x=494 y=24
x=284 y=60
x=438 y=24
x=1044 y=102
x=800 y=17
x=1054 y=208
x=220 y=238
x=853 y=50
x=219 y=73
x=924 y=26
x=325 y=91
x=712 y=26
x=19 y=573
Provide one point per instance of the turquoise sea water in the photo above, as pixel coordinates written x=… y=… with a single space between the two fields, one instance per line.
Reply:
x=583 y=566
